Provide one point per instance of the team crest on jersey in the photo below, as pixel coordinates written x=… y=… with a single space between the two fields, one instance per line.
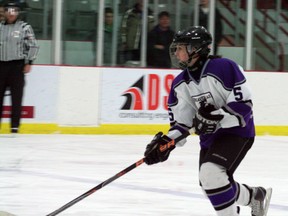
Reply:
x=202 y=99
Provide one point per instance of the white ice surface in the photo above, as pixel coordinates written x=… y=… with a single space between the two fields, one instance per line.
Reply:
x=41 y=173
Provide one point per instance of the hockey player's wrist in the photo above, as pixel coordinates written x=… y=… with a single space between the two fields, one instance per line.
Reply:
x=173 y=134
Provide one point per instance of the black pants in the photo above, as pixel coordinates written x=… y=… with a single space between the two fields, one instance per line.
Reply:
x=227 y=151
x=12 y=78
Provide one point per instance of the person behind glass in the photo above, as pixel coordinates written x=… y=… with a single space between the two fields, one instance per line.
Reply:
x=2 y=16
x=159 y=40
x=203 y=21
x=18 y=49
x=211 y=96
x=108 y=35
x=130 y=30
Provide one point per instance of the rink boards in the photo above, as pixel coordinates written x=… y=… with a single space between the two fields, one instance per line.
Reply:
x=98 y=100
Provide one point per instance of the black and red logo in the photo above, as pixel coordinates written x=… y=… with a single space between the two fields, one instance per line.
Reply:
x=150 y=97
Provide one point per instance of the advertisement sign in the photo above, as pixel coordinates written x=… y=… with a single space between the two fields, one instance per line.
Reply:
x=40 y=95
x=96 y=96
x=135 y=95
x=27 y=112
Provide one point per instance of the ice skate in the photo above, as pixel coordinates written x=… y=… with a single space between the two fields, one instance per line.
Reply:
x=260 y=201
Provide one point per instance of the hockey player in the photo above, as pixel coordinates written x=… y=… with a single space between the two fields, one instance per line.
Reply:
x=211 y=95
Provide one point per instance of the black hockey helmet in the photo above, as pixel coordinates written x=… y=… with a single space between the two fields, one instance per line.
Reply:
x=197 y=41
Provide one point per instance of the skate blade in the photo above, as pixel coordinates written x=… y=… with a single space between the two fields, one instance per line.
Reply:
x=267 y=200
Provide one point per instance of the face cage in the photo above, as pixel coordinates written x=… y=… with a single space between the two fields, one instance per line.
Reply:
x=182 y=64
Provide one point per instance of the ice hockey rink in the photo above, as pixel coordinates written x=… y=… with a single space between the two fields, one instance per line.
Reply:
x=41 y=173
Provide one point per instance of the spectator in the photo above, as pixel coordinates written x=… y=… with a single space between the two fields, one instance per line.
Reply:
x=17 y=51
x=159 y=40
x=2 y=17
x=108 y=35
x=203 y=21
x=130 y=30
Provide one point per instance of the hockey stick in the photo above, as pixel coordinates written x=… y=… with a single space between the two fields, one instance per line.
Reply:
x=108 y=181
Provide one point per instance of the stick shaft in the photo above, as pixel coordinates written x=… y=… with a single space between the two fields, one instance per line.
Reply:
x=108 y=181
x=99 y=186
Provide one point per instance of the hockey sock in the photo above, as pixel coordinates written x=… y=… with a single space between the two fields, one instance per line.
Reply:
x=220 y=191
x=230 y=211
x=244 y=195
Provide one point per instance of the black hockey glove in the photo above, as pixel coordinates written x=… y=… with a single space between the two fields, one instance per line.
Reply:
x=158 y=149
x=205 y=122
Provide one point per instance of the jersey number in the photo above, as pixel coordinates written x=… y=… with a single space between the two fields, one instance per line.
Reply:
x=238 y=94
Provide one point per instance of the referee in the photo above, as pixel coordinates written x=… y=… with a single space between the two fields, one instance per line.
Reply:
x=18 y=49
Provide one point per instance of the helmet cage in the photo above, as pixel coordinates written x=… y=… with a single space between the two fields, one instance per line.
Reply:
x=197 y=41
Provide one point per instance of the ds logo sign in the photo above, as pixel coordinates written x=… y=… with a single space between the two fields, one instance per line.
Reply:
x=150 y=92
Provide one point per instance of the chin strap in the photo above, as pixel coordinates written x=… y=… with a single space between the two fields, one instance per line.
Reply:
x=193 y=55
x=198 y=64
x=184 y=65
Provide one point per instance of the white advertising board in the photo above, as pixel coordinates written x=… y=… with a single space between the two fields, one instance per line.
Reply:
x=269 y=91
x=78 y=96
x=132 y=95
x=40 y=95
x=139 y=96
x=91 y=96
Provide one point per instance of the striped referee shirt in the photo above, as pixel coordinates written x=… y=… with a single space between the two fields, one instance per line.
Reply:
x=17 y=42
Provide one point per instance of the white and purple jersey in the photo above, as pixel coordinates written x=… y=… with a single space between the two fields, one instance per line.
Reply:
x=222 y=84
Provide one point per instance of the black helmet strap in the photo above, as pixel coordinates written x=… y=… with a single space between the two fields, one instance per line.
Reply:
x=192 y=54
